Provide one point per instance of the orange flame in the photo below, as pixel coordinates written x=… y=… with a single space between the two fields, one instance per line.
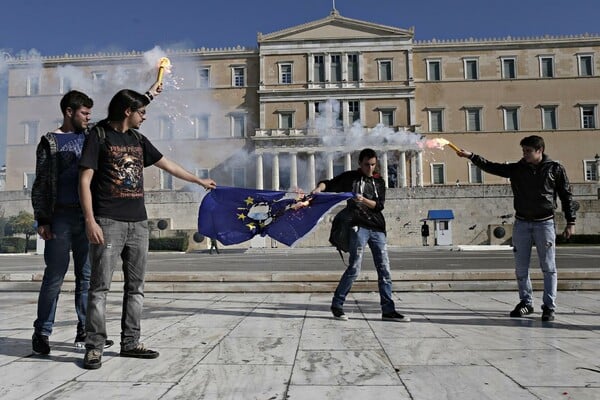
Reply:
x=439 y=143
x=163 y=64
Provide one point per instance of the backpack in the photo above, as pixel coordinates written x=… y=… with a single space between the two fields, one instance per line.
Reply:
x=341 y=226
x=102 y=133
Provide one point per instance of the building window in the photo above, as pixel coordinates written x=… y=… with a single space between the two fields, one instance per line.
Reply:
x=319 y=69
x=434 y=70
x=166 y=180
x=591 y=170
x=31 y=131
x=165 y=128
x=438 y=174
x=475 y=174
x=28 y=179
x=202 y=173
x=285 y=73
x=202 y=126
x=203 y=77
x=353 y=67
x=473 y=119
x=353 y=110
x=286 y=119
x=586 y=64
x=509 y=68
x=549 y=118
x=436 y=122
x=65 y=85
x=386 y=117
x=238 y=125
x=336 y=68
x=471 y=68
x=33 y=85
x=238 y=177
x=98 y=81
x=239 y=76
x=385 y=70
x=547 y=67
x=588 y=116
x=511 y=118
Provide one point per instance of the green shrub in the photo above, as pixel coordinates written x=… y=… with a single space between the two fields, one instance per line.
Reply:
x=12 y=245
x=179 y=243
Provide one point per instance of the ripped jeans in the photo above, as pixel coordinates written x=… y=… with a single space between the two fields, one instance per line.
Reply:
x=377 y=244
x=543 y=235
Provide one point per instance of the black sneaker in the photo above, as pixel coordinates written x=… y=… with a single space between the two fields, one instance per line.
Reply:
x=92 y=359
x=547 y=314
x=521 y=310
x=140 y=351
x=395 y=316
x=80 y=341
x=40 y=344
x=338 y=313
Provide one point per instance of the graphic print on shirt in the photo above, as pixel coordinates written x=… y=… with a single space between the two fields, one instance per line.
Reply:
x=126 y=171
x=68 y=155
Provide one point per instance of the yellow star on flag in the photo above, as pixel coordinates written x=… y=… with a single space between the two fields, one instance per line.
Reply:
x=241 y=216
x=249 y=200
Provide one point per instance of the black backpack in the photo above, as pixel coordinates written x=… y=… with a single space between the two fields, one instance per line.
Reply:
x=341 y=226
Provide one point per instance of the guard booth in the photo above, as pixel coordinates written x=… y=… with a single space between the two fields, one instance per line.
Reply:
x=442 y=226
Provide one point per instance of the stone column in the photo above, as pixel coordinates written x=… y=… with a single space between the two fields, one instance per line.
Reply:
x=311 y=171
x=275 y=172
x=597 y=158
x=293 y=171
x=420 y=169
x=402 y=170
x=259 y=171
x=329 y=166
x=348 y=162
x=384 y=167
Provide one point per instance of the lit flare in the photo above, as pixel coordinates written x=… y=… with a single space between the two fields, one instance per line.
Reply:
x=439 y=143
x=163 y=64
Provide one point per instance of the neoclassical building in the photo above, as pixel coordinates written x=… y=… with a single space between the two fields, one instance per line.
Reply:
x=300 y=106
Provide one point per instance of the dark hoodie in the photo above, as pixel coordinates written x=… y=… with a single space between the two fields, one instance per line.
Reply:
x=372 y=188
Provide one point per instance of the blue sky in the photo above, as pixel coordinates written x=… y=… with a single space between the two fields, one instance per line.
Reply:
x=55 y=27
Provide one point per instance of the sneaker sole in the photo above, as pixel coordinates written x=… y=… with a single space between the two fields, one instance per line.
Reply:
x=405 y=319
x=145 y=356
x=92 y=366
x=344 y=318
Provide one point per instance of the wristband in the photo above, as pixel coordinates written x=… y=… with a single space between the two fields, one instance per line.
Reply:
x=149 y=95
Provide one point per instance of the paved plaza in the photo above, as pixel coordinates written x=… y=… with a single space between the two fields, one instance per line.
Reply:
x=459 y=345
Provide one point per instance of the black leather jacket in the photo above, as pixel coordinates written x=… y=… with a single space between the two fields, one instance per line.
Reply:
x=535 y=187
x=44 y=189
x=371 y=188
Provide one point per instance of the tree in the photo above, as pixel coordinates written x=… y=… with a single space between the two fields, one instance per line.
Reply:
x=22 y=224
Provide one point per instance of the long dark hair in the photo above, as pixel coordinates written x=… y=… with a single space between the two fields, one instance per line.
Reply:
x=123 y=100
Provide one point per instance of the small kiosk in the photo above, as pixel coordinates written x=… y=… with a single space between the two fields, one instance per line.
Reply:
x=442 y=226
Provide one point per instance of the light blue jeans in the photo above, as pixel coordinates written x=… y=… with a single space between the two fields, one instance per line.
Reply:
x=377 y=243
x=127 y=241
x=68 y=228
x=543 y=235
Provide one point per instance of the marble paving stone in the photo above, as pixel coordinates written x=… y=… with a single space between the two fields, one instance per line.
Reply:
x=430 y=351
x=461 y=383
x=343 y=367
x=578 y=348
x=232 y=382
x=243 y=350
x=338 y=339
x=170 y=366
x=225 y=318
x=324 y=319
x=417 y=328
x=566 y=393
x=312 y=392
x=185 y=336
x=253 y=326
x=476 y=338
x=108 y=391
x=543 y=367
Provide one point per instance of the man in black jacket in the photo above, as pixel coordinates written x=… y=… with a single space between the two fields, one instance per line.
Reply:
x=369 y=228
x=536 y=180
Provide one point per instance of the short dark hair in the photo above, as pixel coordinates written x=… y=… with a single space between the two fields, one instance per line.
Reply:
x=366 y=153
x=534 y=141
x=74 y=100
x=123 y=100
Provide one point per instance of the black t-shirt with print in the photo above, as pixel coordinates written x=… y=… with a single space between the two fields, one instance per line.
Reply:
x=118 y=164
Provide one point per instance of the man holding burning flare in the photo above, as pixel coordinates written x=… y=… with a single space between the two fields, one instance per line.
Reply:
x=536 y=180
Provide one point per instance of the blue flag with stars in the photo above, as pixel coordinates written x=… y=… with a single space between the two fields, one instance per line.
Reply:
x=234 y=215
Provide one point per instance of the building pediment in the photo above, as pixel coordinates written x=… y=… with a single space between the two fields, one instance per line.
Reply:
x=335 y=27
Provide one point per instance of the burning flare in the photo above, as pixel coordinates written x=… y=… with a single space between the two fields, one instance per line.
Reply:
x=163 y=64
x=439 y=143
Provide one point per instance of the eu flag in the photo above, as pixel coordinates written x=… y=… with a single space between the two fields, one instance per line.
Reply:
x=234 y=215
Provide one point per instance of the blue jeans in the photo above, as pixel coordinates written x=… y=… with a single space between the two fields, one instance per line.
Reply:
x=543 y=234
x=129 y=242
x=377 y=243
x=68 y=228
